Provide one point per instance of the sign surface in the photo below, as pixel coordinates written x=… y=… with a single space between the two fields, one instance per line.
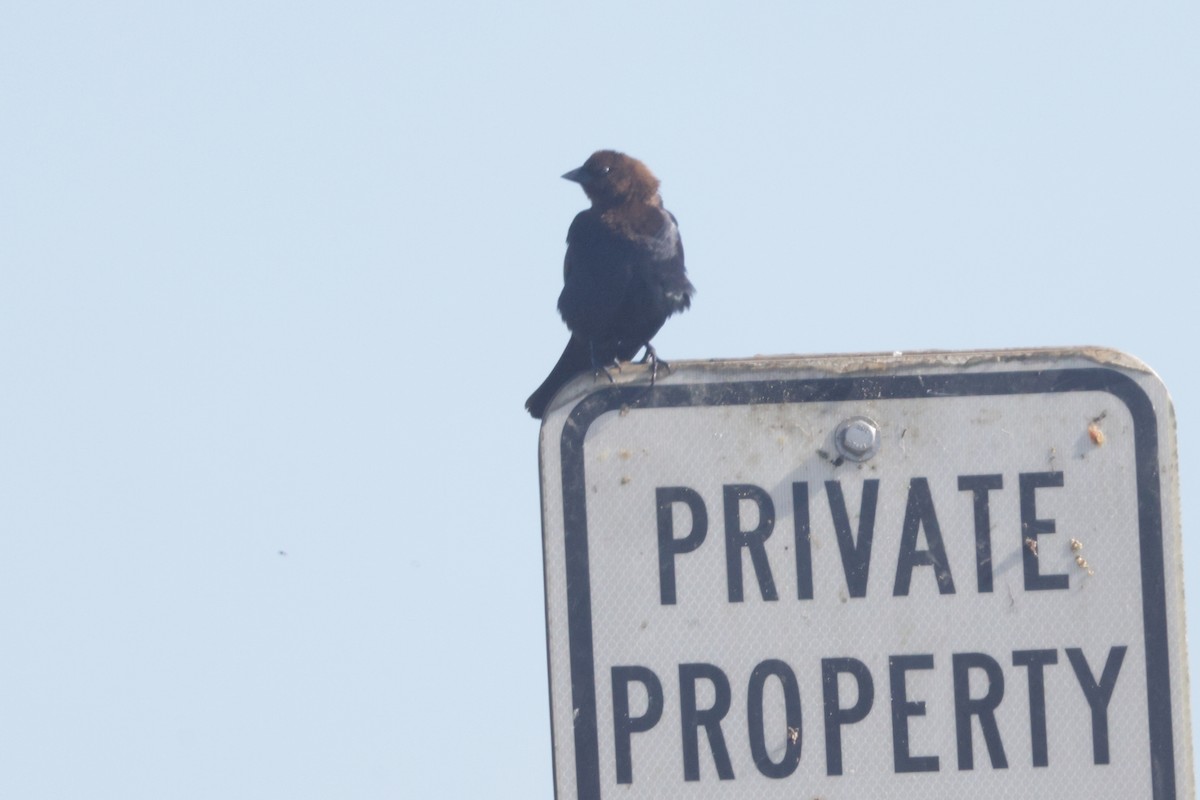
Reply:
x=907 y=576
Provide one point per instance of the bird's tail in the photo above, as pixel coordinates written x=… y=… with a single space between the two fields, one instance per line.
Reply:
x=576 y=358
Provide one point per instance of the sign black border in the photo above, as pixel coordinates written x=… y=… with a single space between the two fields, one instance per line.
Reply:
x=862 y=388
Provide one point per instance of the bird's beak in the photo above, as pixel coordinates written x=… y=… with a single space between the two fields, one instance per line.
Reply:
x=577 y=175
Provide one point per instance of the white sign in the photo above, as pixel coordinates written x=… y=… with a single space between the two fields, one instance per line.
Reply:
x=909 y=576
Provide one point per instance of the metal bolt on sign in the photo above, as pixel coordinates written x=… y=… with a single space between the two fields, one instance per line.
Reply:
x=857 y=438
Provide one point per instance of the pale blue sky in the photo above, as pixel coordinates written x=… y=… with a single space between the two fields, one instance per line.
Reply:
x=279 y=277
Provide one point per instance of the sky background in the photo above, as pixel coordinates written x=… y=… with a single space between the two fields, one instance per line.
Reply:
x=276 y=279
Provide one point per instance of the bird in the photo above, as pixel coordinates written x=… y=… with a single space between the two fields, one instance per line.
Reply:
x=623 y=273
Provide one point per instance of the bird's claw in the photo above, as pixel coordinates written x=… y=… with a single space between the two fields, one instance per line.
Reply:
x=601 y=369
x=598 y=368
x=654 y=361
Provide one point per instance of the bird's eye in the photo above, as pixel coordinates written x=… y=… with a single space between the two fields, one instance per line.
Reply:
x=605 y=169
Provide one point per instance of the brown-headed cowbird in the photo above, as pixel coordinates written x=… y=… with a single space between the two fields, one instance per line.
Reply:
x=623 y=274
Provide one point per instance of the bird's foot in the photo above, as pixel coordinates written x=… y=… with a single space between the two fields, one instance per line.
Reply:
x=652 y=358
x=599 y=369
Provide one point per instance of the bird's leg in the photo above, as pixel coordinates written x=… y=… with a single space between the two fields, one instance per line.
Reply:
x=654 y=360
x=597 y=367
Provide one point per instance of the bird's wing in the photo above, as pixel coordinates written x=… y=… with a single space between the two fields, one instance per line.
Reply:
x=596 y=275
x=663 y=270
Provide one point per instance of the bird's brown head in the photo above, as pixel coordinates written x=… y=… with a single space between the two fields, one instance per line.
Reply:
x=610 y=178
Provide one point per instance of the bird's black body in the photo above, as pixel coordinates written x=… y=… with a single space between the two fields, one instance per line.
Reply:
x=623 y=274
